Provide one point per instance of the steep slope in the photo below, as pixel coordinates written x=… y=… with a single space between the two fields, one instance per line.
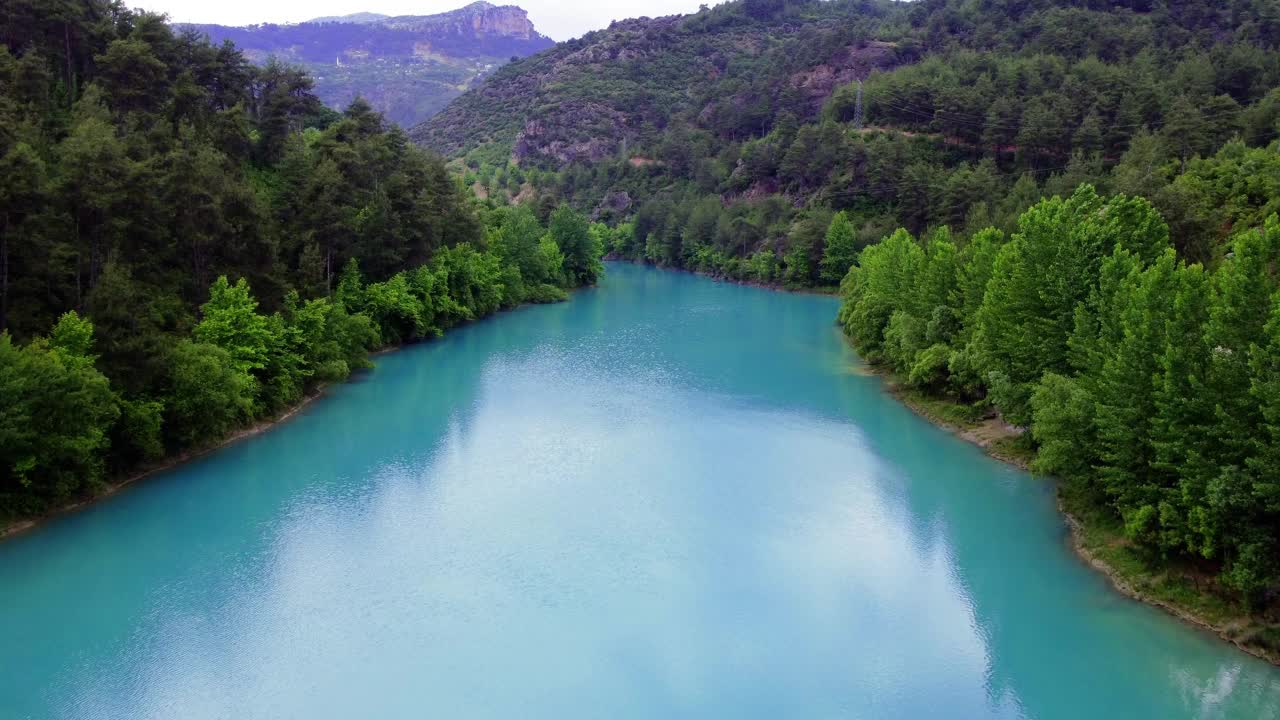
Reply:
x=913 y=114
x=591 y=97
x=407 y=67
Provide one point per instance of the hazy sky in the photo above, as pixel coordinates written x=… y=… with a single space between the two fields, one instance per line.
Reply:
x=558 y=19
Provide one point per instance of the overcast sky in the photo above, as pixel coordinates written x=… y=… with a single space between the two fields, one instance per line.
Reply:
x=559 y=19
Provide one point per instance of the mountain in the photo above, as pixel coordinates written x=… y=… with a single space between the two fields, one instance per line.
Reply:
x=408 y=67
x=1058 y=214
x=360 y=17
x=587 y=98
x=914 y=114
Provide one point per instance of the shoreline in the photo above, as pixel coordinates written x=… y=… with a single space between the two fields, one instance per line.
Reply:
x=12 y=528
x=833 y=291
x=1077 y=532
x=112 y=487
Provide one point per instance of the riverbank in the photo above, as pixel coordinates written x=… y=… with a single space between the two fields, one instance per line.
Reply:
x=15 y=526
x=1184 y=592
x=826 y=291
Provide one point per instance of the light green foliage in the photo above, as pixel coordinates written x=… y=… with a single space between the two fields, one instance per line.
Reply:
x=551 y=262
x=472 y=281
x=514 y=239
x=929 y=366
x=974 y=269
x=55 y=414
x=207 y=395
x=72 y=339
x=840 y=250
x=350 y=291
x=1148 y=385
x=1063 y=412
x=762 y=266
x=231 y=322
x=1049 y=267
x=623 y=240
x=331 y=341
x=899 y=305
x=798 y=265
x=1137 y=316
x=286 y=372
x=879 y=286
x=395 y=310
x=439 y=309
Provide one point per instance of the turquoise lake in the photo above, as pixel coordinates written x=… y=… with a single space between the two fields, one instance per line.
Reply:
x=666 y=498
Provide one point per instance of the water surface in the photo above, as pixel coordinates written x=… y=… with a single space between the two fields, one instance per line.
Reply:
x=667 y=498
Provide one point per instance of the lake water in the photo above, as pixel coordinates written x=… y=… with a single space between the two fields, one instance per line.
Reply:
x=667 y=498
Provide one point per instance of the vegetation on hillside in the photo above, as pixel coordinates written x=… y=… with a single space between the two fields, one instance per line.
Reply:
x=1061 y=210
x=189 y=243
x=738 y=130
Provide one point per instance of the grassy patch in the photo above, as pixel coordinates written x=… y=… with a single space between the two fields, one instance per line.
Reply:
x=1013 y=449
x=941 y=410
x=1178 y=584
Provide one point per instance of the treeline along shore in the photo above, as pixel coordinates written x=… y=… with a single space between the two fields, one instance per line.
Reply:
x=190 y=244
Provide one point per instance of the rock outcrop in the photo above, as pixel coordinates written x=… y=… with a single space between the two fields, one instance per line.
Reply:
x=408 y=67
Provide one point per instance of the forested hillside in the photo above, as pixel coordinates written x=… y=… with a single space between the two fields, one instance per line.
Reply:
x=406 y=67
x=189 y=243
x=1062 y=211
x=739 y=129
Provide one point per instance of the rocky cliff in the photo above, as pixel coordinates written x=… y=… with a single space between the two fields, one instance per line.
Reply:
x=408 y=67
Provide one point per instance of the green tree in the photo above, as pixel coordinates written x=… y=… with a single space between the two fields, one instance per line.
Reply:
x=840 y=251
x=1047 y=269
x=207 y=396
x=56 y=412
x=231 y=322
x=582 y=252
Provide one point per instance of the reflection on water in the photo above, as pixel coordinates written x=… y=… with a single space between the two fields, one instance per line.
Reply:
x=667 y=498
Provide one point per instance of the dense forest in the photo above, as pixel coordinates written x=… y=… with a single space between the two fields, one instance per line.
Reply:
x=731 y=137
x=1063 y=211
x=1150 y=385
x=189 y=243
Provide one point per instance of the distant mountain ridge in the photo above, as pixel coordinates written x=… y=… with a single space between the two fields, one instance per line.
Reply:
x=360 y=17
x=408 y=67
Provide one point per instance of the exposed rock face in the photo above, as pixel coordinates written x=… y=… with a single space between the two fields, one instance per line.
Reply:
x=851 y=63
x=545 y=138
x=408 y=67
x=479 y=20
x=614 y=205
